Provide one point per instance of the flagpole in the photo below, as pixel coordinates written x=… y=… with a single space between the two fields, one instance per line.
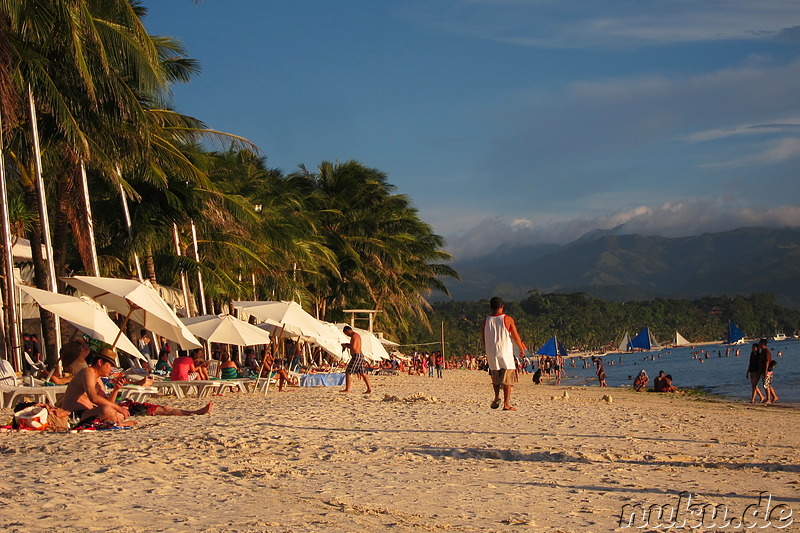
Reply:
x=43 y=217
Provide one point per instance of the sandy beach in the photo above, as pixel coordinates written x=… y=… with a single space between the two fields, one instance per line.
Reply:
x=432 y=457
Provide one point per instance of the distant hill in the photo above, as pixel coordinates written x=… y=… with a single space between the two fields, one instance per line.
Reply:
x=633 y=267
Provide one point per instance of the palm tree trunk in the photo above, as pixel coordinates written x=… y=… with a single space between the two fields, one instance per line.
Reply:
x=150 y=265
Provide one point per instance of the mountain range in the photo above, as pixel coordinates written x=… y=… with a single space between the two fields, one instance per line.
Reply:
x=609 y=266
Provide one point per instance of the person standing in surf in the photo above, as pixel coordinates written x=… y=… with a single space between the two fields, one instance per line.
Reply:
x=499 y=334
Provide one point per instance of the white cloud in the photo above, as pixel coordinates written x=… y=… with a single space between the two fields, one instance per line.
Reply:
x=585 y=23
x=771 y=153
x=667 y=220
x=783 y=125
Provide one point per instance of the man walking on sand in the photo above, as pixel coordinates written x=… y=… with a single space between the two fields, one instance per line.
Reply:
x=499 y=334
x=357 y=364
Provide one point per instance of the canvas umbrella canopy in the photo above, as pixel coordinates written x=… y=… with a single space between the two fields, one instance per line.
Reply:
x=330 y=338
x=84 y=316
x=138 y=302
x=288 y=315
x=332 y=342
x=226 y=329
x=371 y=345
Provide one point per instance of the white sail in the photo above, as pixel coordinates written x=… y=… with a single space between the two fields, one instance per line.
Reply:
x=680 y=340
x=653 y=342
x=626 y=340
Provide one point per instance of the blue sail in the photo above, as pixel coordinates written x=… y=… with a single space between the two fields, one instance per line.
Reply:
x=643 y=341
x=549 y=348
x=734 y=333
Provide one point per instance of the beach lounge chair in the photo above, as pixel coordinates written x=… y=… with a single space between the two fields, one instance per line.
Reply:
x=137 y=393
x=181 y=389
x=10 y=395
x=213 y=368
x=8 y=378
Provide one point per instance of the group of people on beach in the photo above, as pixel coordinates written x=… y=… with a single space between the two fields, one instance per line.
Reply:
x=760 y=368
x=89 y=402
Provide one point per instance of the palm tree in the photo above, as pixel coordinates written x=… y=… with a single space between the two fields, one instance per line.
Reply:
x=386 y=256
x=101 y=83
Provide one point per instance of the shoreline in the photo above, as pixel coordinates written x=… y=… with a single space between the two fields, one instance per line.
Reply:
x=432 y=456
x=699 y=392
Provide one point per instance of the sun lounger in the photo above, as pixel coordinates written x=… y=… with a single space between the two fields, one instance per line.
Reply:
x=229 y=384
x=203 y=388
x=137 y=393
x=10 y=395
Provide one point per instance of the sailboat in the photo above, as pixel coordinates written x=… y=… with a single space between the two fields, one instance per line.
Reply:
x=680 y=340
x=735 y=335
x=644 y=340
x=625 y=344
x=552 y=348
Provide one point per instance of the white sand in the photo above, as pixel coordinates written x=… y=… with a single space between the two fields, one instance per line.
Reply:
x=318 y=460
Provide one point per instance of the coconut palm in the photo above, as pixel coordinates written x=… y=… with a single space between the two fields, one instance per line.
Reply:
x=101 y=84
x=386 y=256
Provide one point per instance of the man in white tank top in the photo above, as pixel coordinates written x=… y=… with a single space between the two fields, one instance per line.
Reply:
x=499 y=334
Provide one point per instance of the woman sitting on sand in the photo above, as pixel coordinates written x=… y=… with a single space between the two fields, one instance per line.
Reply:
x=641 y=381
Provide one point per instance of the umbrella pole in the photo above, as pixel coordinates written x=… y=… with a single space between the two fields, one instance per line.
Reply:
x=122 y=327
x=269 y=378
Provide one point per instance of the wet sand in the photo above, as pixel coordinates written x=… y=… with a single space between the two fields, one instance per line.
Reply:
x=433 y=456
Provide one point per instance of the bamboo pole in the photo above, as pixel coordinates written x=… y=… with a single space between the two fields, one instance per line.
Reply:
x=13 y=348
x=43 y=217
x=200 y=287
x=128 y=224
x=89 y=221
x=442 y=338
x=184 y=287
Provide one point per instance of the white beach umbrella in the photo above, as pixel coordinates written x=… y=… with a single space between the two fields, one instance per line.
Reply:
x=289 y=315
x=138 y=302
x=371 y=345
x=330 y=338
x=84 y=316
x=226 y=329
x=332 y=342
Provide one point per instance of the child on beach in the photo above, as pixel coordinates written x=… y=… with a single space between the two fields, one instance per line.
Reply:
x=771 y=396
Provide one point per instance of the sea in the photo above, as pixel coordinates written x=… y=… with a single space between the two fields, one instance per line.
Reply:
x=721 y=373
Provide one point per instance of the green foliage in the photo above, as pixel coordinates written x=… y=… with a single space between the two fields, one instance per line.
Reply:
x=584 y=323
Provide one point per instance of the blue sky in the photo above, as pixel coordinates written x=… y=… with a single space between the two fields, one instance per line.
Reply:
x=517 y=120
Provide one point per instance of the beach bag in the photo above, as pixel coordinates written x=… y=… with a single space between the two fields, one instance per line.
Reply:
x=33 y=417
x=57 y=419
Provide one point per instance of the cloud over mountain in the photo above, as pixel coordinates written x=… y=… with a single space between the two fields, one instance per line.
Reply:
x=666 y=220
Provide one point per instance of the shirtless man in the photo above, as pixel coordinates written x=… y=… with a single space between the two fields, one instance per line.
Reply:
x=86 y=397
x=357 y=364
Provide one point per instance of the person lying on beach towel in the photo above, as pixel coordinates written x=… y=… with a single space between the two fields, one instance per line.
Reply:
x=86 y=397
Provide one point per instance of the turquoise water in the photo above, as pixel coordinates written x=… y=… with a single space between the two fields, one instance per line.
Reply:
x=724 y=376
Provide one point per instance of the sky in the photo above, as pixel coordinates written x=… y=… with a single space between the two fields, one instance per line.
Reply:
x=517 y=121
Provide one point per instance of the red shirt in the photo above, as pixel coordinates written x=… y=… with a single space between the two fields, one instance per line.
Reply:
x=181 y=368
